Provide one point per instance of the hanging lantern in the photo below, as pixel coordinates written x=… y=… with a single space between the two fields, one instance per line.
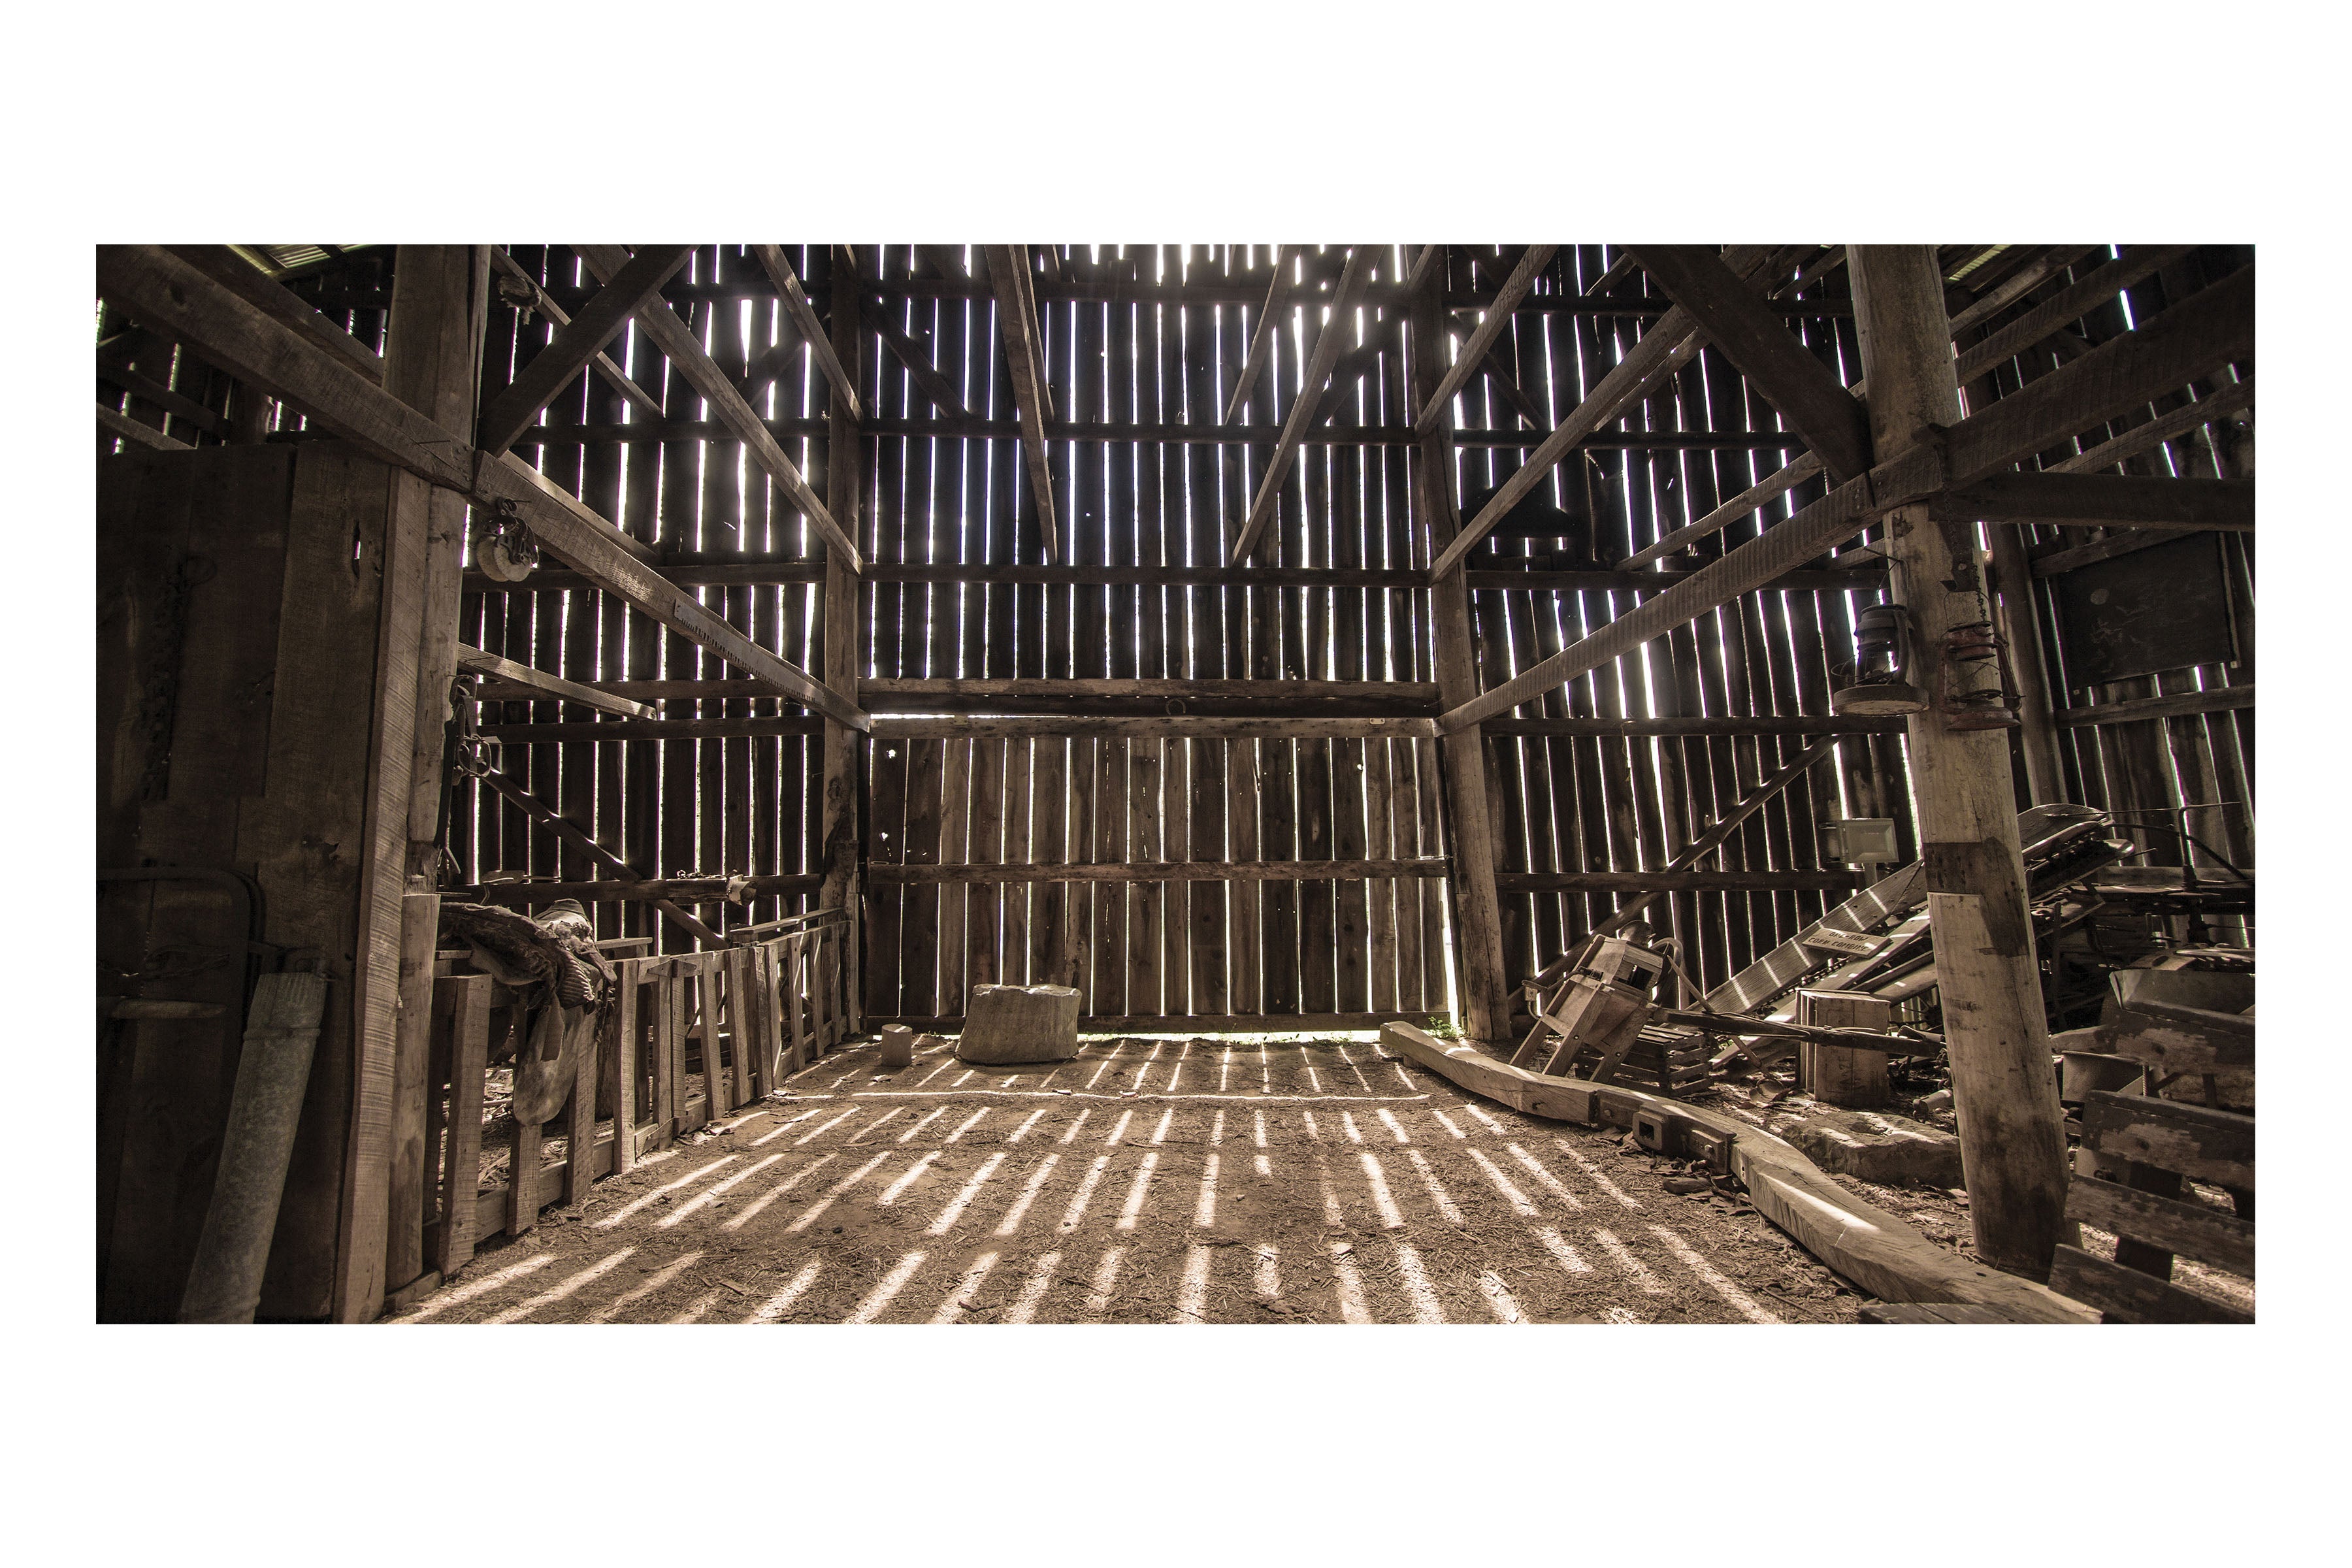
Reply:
x=1881 y=679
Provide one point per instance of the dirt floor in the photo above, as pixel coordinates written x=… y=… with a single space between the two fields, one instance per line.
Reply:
x=1159 y=1180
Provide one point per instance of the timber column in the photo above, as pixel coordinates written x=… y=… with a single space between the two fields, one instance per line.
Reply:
x=2013 y=1147
x=845 y=468
x=1470 y=830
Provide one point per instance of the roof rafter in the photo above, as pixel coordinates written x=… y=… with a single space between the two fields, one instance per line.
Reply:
x=1303 y=412
x=577 y=343
x=1017 y=320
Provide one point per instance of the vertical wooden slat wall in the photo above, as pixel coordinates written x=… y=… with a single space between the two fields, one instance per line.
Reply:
x=1155 y=337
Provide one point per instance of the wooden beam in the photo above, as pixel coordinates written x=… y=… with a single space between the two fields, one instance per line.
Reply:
x=779 y=269
x=577 y=343
x=2070 y=304
x=1763 y=725
x=2135 y=709
x=2018 y=284
x=535 y=683
x=1009 y=429
x=1666 y=339
x=1761 y=346
x=2230 y=397
x=1499 y=320
x=2193 y=339
x=114 y=422
x=1261 y=344
x=919 y=365
x=1328 y=345
x=685 y=351
x=282 y=305
x=253 y=347
x=2102 y=501
x=1740 y=506
x=891 y=873
x=580 y=838
x=2012 y=1145
x=545 y=303
x=952 y=726
x=1017 y=320
x=1654 y=885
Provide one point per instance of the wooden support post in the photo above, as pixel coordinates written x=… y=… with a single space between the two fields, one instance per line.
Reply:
x=431 y=349
x=2012 y=1149
x=469 y=1061
x=1486 y=999
x=840 y=849
x=412 y=1085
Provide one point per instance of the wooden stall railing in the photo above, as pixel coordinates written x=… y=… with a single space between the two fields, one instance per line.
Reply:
x=690 y=1038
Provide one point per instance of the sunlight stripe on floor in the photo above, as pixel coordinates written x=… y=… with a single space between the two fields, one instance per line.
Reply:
x=1099 y=1289
x=777 y=1305
x=1021 y=1311
x=1011 y=1223
x=1499 y=1300
x=1562 y=1254
x=1395 y=1127
x=1436 y=1193
x=808 y=1216
x=881 y=1295
x=1072 y=1131
x=1447 y=1123
x=1593 y=1170
x=1192 y=1293
x=926 y=1122
x=837 y=1121
x=627 y=1209
x=695 y=1307
x=643 y=1288
x=1520 y=1203
x=1134 y=1206
x=914 y=1173
x=1021 y=1132
x=1742 y=1302
x=783 y=1127
x=1347 y=1284
x=1552 y=1184
x=716 y=1191
x=739 y=1220
x=460 y=1295
x=874 y=1126
x=1266 y=1272
x=1625 y=1259
x=1383 y=1200
x=953 y=1212
x=1204 y=1212
x=1425 y=1307
x=952 y=1309
x=1086 y=1184
x=970 y=1122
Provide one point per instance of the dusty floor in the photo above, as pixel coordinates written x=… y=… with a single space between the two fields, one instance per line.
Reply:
x=1150 y=1179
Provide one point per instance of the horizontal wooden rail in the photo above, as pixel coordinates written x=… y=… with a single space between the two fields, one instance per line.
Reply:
x=885 y=873
x=1678 y=881
x=755 y=573
x=2185 y=704
x=1181 y=1024
x=1332 y=435
x=676 y=889
x=1045 y=726
x=1768 y=725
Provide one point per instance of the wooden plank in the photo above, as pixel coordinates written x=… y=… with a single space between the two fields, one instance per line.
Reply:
x=507 y=673
x=580 y=1114
x=1261 y=344
x=2216 y=1147
x=677 y=341
x=623 y=1067
x=2216 y=699
x=1327 y=344
x=2102 y=501
x=2126 y=1295
x=279 y=303
x=1017 y=319
x=1673 y=335
x=469 y=1065
x=576 y=344
x=2228 y=398
x=812 y=330
x=135 y=434
x=602 y=364
x=884 y=875
x=1482 y=341
x=524 y=1177
x=407 y=1198
x=1775 y=362
x=958 y=726
x=2192 y=1230
x=1738 y=508
x=2069 y=304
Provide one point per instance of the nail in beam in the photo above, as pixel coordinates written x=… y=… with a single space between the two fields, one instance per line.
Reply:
x=2012 y=1146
